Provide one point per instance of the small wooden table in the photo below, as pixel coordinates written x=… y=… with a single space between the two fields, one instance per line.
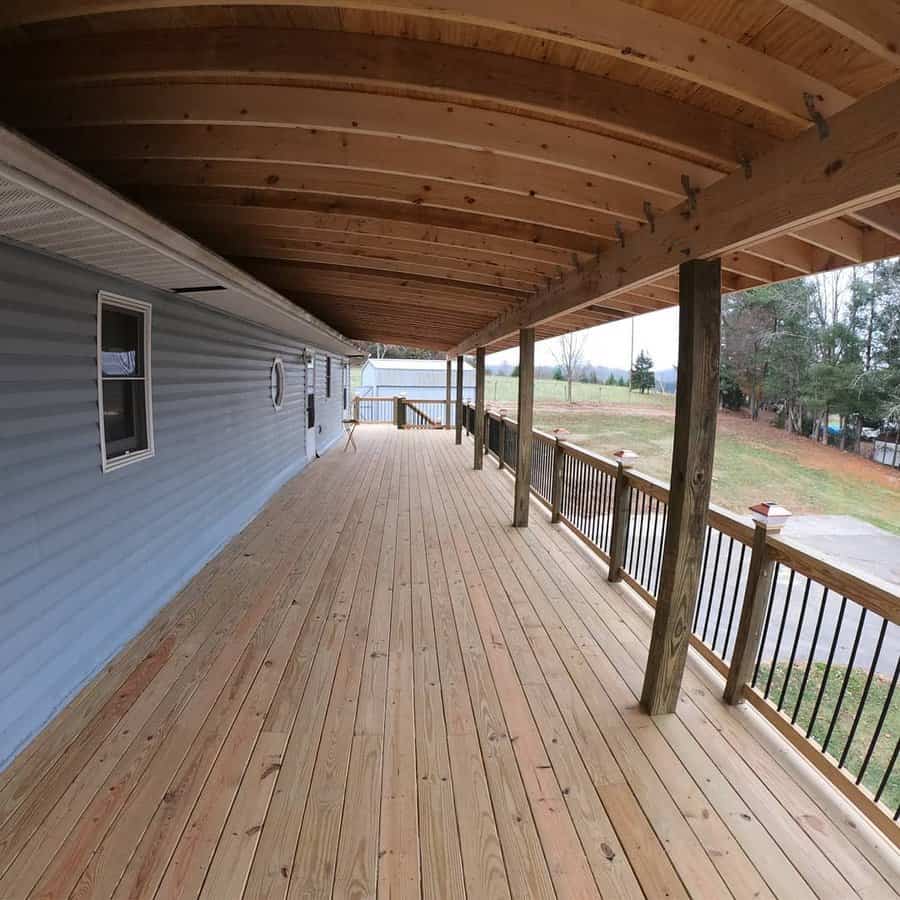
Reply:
x=350 y=427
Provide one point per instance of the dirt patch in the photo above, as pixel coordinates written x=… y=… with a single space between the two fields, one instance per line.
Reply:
x=805 y=451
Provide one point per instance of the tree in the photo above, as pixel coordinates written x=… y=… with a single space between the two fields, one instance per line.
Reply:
x=730 y=393
x=748 y=323
x=642 y=375
x=569 y=356
x=515 y=372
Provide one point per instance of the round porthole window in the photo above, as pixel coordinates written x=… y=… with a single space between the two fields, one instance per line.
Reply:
x=276 y=377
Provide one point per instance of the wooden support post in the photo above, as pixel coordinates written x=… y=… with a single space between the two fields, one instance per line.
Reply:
x=356 y=408
x=556 y=481
x=400 y=412
x=696 y=404
x=459 y=398
x=479 y=408
x=768 y=519
x=447 y=416
x=621 y=513
x=526 y=418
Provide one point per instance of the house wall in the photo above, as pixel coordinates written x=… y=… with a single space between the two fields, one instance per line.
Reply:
x=87 y=558
x=329 y=410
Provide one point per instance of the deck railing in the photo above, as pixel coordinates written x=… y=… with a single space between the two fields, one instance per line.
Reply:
x=822 y=662
x=418 y=412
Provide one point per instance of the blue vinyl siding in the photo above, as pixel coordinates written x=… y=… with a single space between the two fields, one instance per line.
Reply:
x=87 y=558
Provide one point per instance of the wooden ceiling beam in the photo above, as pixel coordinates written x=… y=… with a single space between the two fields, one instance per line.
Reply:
x=334 y=114
x=886 y=218
x=217 y=233
x=199 y=207
x=802 y=182
x=873 y=24
x=407 y=210
x=349 y=183
x=376 y=63
x=363 y=263
x=646 y=38
x=312 y=149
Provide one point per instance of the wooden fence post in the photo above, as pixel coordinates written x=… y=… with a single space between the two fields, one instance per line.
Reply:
x=768 y=519
x=459 y=398
x=621 y=512
x=447 y=416
x=524 y=433
x=556 y=481
x=693 y=448
x=478 y=414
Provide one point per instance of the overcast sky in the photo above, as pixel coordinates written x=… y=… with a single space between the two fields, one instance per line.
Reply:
x=610 y=345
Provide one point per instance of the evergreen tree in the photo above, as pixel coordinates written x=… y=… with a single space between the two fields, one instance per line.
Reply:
x=643 y=378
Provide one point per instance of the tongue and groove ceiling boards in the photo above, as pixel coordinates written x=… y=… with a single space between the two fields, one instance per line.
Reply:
x=410 y=171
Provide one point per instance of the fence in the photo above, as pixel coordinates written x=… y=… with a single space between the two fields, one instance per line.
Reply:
x=418 y=413
x=822 y=660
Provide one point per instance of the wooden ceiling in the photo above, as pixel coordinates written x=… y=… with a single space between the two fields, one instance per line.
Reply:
x=408 y=171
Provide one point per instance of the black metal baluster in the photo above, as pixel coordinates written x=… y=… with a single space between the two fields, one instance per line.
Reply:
x=865 y=694
x=712 y=587
x=702 y=580
x=846 y=680
x=784 y=617
x=765 y=631
x=887 y=775
x=828 y=662
x=724 y=591
x=812 y=652
x=793 y=656
x=881 y=718
x=734 y=600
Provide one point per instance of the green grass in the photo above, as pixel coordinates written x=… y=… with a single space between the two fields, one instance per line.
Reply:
x=503 y=389
x=881 y=755
x=745 y=471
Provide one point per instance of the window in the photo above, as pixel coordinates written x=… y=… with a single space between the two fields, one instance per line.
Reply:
x=276 y=382
x=327 y=376
x=345 y=382
x=123 y=380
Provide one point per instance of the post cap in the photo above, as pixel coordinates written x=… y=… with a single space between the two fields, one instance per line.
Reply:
x=626 y=458
x=561 y=432
x=770 y=515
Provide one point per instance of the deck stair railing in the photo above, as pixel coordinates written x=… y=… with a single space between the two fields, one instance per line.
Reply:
x=809 y=643
x=419 y=412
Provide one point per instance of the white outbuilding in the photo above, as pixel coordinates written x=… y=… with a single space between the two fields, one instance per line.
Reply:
x=417 y=379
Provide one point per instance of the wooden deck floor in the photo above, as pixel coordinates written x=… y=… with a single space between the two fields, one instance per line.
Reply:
x=380 y=686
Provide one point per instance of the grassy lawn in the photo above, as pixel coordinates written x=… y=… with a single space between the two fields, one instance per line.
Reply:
x=881 y=755
x=761 y=465
x=502 y=389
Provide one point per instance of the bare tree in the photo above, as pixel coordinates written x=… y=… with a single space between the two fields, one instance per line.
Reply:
x=569 y=357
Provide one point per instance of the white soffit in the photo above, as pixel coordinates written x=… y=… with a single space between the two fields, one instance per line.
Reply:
x=50 y=206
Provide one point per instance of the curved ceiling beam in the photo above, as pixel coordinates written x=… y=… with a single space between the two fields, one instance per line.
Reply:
x=620 y=30
x=288 y=107
x=873 y=24
x=503 y=275
x=550 y=241
x=362 y=263
x=302 y=147
x=390 y=65
x=488 y=203
x=214 y=232
x=201 y=207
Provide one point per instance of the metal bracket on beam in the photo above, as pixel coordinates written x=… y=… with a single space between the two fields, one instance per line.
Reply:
x=817 y=117
x=649 y=216
x=690 y=192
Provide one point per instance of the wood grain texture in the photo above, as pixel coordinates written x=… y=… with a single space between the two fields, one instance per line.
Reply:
x=524 y=436
x=407 y=696
x=696 y=403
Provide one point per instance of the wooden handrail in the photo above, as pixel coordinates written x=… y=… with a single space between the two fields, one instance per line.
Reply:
x=869 y=591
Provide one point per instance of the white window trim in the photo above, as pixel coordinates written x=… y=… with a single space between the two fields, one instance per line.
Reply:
x=278 y=366
x=110 y=299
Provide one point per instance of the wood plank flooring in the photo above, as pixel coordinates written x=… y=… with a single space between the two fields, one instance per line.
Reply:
x=380 y=688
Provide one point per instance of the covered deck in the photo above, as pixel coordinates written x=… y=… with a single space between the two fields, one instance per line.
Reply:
x=381 y=686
